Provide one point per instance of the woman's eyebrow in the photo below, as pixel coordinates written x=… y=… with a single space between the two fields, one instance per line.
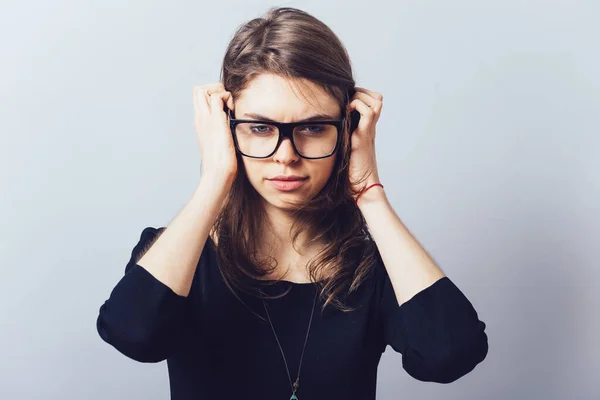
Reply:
x=317 y=117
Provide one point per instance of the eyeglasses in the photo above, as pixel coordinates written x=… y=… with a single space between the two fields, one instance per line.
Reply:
x=261 y=139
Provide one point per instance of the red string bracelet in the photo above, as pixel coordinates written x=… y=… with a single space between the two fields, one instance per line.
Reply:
x=369 y=187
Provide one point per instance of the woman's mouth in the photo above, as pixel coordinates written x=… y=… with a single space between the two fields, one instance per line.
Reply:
x=287 y=183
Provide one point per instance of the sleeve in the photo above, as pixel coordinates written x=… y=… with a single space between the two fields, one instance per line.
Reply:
x=437 y=331
x=142 y=318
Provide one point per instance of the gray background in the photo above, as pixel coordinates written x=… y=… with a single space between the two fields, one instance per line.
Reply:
x=487 y=145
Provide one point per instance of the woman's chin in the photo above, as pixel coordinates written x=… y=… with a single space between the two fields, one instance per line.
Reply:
x=286 y=201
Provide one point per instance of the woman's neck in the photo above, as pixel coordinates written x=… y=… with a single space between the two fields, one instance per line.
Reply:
x=292 y=258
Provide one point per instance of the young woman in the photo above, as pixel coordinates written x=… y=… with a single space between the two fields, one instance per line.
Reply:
x=288 y=272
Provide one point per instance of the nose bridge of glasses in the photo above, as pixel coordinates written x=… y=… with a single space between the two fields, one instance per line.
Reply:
x=286 y=131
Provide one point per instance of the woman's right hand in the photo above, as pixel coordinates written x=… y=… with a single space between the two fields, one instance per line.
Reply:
x=211 y=124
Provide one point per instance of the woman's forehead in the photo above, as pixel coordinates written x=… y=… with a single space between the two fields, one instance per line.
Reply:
x=269 y=94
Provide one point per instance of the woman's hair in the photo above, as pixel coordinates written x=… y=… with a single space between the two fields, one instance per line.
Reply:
x=295 y=45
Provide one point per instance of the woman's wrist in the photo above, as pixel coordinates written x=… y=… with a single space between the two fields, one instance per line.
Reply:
x=371 y=192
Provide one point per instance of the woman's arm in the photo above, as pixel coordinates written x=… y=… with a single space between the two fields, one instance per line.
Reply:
x=424 y=315
x=172 y=259
x=409 y=266
x=146 y=312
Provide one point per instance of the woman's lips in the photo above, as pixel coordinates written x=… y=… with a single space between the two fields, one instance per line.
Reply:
x=287 y=185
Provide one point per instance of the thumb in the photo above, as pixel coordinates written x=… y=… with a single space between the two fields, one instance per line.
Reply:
x=218 y=100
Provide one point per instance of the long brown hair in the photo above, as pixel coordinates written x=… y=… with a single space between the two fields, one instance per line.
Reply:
x=294 y=44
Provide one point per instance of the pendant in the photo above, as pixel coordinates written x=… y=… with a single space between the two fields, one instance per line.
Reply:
x=293 y=397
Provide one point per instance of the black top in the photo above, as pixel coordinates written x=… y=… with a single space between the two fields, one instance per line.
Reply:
x=216 y=348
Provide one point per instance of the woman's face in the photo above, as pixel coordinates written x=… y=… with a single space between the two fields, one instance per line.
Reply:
x=275 y=98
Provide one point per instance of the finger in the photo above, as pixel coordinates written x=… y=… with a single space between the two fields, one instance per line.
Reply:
x=217 y=101
x=228 y=100
x=214 y=88
x=200 y=100
x=371 y=93
x=369 y=100
x=374 y=104
x=230 y=104
x=204 y=91
x=366 y=113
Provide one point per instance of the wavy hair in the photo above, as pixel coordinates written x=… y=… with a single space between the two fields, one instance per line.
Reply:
x=294 y=44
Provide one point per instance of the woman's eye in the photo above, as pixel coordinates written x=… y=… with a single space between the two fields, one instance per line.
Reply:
x=312 y=128
x=261 y=129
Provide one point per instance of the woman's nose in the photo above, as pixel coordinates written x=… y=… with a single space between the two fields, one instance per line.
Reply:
x=286 y=153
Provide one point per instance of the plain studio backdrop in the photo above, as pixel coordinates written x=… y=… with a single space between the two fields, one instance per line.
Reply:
x=487 y=146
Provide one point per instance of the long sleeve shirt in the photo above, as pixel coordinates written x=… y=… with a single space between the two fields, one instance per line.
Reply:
x=216 y=346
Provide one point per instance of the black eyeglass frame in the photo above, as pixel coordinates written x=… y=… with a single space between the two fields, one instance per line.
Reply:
x=286 y=130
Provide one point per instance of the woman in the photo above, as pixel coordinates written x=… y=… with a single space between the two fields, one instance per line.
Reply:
x=268 y=283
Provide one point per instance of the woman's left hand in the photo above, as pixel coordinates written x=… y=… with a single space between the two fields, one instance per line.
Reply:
x=362 y=155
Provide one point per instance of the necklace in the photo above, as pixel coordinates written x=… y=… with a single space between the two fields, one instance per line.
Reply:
x=296 y=384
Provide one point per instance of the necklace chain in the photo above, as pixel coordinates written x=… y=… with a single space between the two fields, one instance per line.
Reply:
x=296 y=384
